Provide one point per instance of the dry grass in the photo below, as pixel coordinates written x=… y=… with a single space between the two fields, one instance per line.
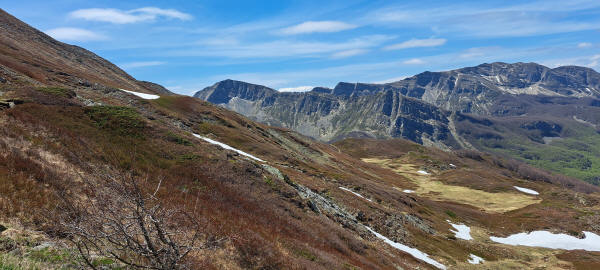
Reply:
x=429 y=187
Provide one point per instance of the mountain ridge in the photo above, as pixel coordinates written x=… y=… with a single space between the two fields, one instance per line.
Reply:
x=27 y=54
x=440 y=109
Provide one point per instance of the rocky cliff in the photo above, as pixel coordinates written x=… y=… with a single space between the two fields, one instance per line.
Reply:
x=336 y=115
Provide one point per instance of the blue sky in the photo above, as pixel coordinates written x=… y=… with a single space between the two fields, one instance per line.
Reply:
x=294 y=45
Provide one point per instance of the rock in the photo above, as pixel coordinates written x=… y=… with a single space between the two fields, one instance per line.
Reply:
x=43 y=246
x=2 y=228
x=361 y=216
x=385 y=113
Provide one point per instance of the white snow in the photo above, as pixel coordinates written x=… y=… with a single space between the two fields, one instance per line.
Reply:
x=349 y=190
x=142 y=95
x=408 y=191
x=526 y=190
x=412 y=251
x=546 y=239
x=452 y=165
x=228 y=147
x=422 y=172
x=461 y=231
x=474 y=259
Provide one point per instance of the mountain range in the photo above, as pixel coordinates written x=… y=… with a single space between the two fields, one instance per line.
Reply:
x=518 y=110
x=99 y=170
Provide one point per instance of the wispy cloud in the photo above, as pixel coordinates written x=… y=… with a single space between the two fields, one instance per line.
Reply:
x=317 y=27
x=117 y=16
x=348 y=53
x=416 y=43
x=142 y=64
x=286 y=48
x=74 y=34
x=591 y=61
x=479 y=20
x=296 y=89
x=584 y=45
x=414 y=61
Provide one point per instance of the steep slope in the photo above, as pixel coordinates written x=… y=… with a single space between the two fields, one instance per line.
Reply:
x=30 y=56
x=82 y=166
x=475 y=89
x=507 y=101
x=331 y=117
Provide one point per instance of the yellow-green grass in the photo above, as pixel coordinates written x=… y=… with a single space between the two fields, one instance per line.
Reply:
x=429 y=187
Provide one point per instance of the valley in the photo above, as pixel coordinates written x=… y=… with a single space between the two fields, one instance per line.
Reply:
x=99 y=170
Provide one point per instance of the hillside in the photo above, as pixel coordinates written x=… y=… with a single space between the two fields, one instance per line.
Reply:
x=514 y=106
x=30 y=57
x=92 y=176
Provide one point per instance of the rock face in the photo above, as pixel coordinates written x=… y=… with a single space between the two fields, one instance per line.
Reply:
x=474 y=89
x=416 y=108
x=338 y=114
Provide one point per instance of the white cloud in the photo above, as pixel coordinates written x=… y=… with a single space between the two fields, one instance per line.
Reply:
x=416 y=43
x=584 y=45
x=317 y=27
x=74 y=34
x=284 y=48
x=480 y=20
x=142 y=64
x=414 y=61
x=348 y=53
x=296 y=89
x=130 y=16
x=591 y=61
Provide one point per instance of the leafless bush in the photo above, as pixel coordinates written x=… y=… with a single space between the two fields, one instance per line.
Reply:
x=119 y=219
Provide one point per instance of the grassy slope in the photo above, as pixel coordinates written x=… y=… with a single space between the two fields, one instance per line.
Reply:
x=576 y=154
x=268 y=225
x=559 y=209
x=262 y=218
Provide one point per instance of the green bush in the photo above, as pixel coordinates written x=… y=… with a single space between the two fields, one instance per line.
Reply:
x=123 y=121
x=57 y=91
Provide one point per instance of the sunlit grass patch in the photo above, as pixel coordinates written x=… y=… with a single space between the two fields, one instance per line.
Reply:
x=429 y=187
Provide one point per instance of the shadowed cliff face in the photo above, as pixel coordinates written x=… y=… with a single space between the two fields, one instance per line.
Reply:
x=338 y=114
x=418 y=102
x=525 y=111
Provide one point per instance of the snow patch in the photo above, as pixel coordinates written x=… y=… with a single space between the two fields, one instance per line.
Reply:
x=412 y=251
x=142 y=95
x=227 y=147
x=474 y=259
x=358 y=195
x=526 y=190
x=461 y=231
x=452 y=165
x=546 y=239
x=422 y=172
x=408 y=191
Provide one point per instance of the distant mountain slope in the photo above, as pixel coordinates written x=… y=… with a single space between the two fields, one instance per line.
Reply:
x=332 y=117
x=474 y=89
x=27 y=54
x=140 y=179
x=498 y=107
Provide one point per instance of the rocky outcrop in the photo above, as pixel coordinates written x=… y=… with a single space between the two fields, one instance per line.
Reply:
x=417 y=108
x=335 y=115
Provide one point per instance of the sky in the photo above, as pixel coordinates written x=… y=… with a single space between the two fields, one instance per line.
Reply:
x=296 y=45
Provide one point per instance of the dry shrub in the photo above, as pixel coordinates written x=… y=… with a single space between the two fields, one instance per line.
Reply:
x=119 y=218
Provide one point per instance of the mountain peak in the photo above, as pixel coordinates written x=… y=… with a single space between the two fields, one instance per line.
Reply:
x=223 y=91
